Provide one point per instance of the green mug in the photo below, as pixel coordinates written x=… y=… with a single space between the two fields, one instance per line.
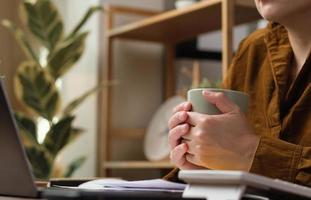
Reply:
x=201 y=105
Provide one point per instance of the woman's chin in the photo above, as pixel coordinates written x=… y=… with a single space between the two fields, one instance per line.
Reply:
x=272 y=16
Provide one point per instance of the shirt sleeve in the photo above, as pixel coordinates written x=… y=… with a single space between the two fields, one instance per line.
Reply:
x=276 y=158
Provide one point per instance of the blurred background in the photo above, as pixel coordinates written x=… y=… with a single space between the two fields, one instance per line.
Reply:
x=139 y=68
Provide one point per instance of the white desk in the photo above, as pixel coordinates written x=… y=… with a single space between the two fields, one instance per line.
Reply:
x=233 y=185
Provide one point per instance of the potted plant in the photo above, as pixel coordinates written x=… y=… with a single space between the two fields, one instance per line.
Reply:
x=50 y=54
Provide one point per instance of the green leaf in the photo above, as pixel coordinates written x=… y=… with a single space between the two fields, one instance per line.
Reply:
x=74 y=165
x=36 y=89
x=41 y=161
x=205 y=83
x=66 y=55
x=75 y=103
x=44 y=22
x=74 y=134
x=59 y=135
x=84 y=19
x=21 y=39
x=27 y=126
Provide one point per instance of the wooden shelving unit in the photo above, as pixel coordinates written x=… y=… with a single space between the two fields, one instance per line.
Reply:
x=167 y=28
x=178 y=25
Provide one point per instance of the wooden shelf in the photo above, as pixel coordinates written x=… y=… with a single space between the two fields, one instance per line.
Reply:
x=136 y=165
x=167 y=27
x=128 y=133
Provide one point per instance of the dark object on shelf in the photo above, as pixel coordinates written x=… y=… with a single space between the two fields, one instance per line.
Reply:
x=188 y=49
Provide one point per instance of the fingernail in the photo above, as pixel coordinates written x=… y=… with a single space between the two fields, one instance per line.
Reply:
x=186 y=105
x=206 y=92
x=182 y=116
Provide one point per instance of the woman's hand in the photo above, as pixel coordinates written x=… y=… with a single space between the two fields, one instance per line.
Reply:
x=179 y=128
x=224 y=141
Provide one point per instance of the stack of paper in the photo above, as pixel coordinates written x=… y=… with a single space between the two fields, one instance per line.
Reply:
x=143 y=185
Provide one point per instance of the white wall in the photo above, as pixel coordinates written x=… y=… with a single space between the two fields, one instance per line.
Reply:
x=138 y=67
x=79 y=80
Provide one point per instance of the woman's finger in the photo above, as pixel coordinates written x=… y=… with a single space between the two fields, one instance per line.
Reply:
x=178 y=158
x=190 y=134
x=222 y=102
x=191 y=158
x=177 y=155
x=176 y=134
x=191 y=146
x=194 y=118
x=186 y=106
x=177 y=118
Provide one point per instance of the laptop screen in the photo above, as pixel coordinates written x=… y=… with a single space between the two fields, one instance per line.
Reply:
x=15 y=176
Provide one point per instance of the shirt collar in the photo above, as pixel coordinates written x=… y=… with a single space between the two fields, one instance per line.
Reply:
x=280 y=55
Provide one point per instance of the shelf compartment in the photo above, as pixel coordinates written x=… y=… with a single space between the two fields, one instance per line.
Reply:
x=167 y=27
x=128 y=133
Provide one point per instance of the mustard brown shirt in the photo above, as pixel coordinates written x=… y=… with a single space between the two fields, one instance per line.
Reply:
x=280 y=108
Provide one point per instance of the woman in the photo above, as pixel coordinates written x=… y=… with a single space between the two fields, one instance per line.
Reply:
x=273 y=66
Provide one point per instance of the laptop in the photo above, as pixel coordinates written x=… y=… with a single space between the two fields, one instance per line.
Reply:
x=16 y=178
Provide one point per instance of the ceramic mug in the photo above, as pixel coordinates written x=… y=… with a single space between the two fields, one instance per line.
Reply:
x=201 y=105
